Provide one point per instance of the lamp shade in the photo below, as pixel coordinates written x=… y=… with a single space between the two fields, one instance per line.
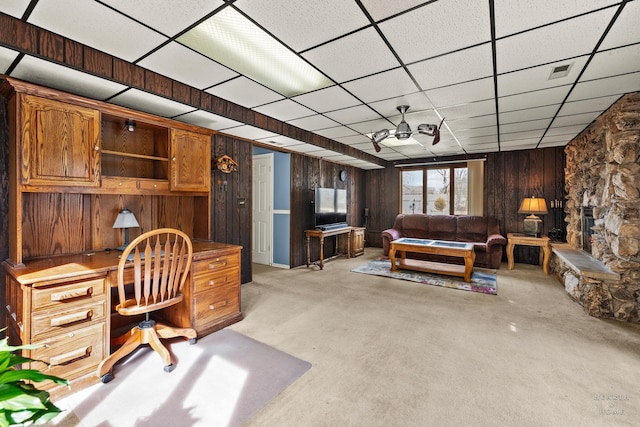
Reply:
x=533 y=206
x=126 y=219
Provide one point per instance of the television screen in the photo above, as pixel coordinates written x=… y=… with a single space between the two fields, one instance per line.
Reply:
x=330 y=208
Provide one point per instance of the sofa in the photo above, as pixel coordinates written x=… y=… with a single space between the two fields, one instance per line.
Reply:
x=483 y=232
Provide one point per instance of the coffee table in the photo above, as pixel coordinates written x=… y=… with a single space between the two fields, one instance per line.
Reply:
x=438 y=247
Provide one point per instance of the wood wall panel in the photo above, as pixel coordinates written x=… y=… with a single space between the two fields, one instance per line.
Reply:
x=4 y=198
x=381 y=195
x=230 y=218
x=74 y=53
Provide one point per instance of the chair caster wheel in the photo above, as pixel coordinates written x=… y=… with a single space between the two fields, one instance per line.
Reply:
x=192 y=341
x=106 y=378
x=169 y=368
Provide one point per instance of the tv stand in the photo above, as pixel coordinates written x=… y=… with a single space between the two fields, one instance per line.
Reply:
x=321 y=234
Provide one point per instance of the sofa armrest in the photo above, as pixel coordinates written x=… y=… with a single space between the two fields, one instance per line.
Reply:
x=495 y=239
x=389 y=236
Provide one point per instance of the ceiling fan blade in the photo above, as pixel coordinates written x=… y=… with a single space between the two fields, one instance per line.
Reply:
x=436 y=137
x=376 y=145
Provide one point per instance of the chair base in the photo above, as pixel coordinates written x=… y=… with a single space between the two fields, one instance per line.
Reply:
x=144 y=333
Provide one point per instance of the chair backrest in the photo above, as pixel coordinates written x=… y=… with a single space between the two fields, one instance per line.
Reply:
x=160 y=260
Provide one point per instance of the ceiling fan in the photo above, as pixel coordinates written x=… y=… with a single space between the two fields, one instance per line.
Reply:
x=403 y=131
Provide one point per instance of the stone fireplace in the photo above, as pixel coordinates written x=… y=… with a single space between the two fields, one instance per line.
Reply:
x=602 y=210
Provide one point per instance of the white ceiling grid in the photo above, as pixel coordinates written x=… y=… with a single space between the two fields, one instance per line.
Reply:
x=435 y=56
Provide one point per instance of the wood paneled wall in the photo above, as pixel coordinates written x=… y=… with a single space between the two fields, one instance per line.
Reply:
x=4 y=198
x=307 y=173
x=231 y=198
x=510 y=176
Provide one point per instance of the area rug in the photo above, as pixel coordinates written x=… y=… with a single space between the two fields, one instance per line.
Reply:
x=222 y=380
x=482 y=280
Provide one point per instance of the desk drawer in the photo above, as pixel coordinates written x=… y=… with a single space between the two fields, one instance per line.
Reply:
x=216 y=304
x=72 y=353
x=207 y=282
x=71 y=317
x=61 y=295
x=215 y=264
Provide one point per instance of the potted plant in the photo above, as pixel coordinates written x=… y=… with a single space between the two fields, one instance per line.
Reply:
x=21 y=403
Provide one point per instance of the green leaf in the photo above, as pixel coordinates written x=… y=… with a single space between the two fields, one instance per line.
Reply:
x=14 y=398
x=28 y=374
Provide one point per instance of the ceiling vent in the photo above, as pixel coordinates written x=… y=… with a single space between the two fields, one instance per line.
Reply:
x=560 y=71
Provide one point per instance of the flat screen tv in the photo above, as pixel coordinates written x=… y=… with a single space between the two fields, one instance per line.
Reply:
x=330 y=208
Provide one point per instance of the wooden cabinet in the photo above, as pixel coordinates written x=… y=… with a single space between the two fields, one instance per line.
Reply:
x=60 y=144
x=65 y=319
x=357 y=241
x=212 y=296
x=190 y=161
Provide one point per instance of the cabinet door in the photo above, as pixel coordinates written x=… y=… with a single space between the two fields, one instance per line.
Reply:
x=60 y=144
x=190 y=161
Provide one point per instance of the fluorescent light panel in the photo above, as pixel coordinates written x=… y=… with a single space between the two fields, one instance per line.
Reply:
x=234 y=41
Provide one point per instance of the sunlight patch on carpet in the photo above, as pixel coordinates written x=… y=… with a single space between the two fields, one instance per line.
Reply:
x=482 y=280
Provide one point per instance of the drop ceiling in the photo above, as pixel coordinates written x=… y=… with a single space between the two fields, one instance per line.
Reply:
x=486 y=66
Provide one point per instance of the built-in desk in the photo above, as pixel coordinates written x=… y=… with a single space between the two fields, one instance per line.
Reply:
x=63 y=303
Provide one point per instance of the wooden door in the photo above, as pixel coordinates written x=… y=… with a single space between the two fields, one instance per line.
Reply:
x=60 y=144
x=190 y=161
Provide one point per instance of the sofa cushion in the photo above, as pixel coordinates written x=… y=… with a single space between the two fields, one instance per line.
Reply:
x=442 y=227
x=415 y=226
x=472 y=229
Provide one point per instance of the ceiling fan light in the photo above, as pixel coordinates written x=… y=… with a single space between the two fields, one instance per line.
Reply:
x=426 y=129
x=380 y=135
x=403 y=131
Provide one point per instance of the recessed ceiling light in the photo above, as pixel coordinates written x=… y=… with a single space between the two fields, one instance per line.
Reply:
x=560 y=71
x=232 y=40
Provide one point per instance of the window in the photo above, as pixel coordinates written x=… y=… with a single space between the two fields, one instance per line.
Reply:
x=436 y=190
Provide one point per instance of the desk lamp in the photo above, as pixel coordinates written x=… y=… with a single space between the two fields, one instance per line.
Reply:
x=531 y=206
x=126 y=219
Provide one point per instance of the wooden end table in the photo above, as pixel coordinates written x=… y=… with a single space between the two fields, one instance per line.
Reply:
x=528 y=240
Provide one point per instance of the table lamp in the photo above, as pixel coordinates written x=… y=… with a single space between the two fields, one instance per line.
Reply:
x=126 y=219
x=533 y=206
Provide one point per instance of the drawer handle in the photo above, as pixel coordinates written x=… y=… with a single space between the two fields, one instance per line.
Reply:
x=74 y=293
x=71 y=318
x=72 y=355
x=218 y=305
x=219 y=264
x=221 y=279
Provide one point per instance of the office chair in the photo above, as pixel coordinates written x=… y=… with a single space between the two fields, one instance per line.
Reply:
x=159 y=262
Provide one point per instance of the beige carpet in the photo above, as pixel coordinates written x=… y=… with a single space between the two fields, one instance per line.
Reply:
x=220 y=381
x=396 y=353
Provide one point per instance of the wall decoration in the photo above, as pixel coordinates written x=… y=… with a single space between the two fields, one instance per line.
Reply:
x=226 y=164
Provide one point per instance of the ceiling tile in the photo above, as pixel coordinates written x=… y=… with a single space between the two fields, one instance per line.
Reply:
x=454 y=67
x=564 y=130
x=144 y=101
x=389 y=84
x=554 y=140
x=249 y=132
x=478 y=90
x=183 y=64
x=356 y=114
x=382 y=9
x=284 y=110
x=354 y=139
x=523 y=144
x=312 y=123
x=514 y=16
x=471 y=122
x=576 y=119
x=476 y=132
x=208 y=120
x=537 y=78
x=612 y=62
x=280 y=140
x=552 y=43
x=588 y=105
x=437 y=28
x=416 y=101
x=96 y=26
x=171 y=18
x=15 y=8
x=480 y=108
x=304 y=148
x=336 y=132
x=513 y=136
x=328 y=19
x=626 y=29
x=245 y=92
x=524 y=126
x=331 y=98
x=371 y=126
x=356 y=55
x=537 y=98
x=58 y=77
x=536 y=113
x=604 y=87
x=7 y=56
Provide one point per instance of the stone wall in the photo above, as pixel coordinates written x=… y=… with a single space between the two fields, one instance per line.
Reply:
x=603 y=172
